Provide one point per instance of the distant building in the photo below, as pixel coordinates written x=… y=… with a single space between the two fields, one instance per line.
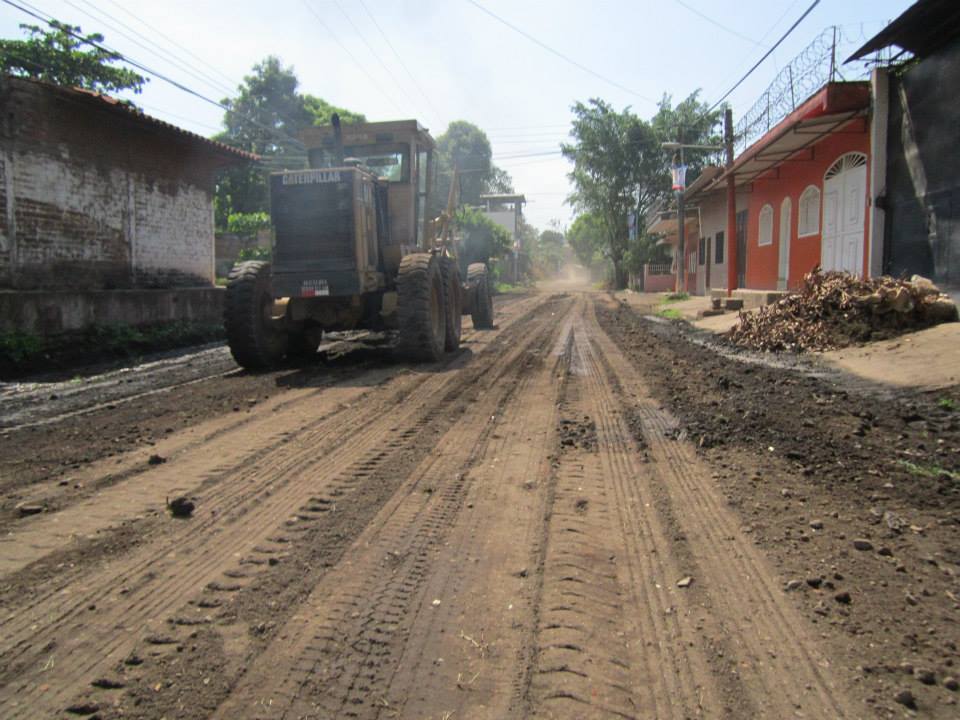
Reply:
x=96 y=195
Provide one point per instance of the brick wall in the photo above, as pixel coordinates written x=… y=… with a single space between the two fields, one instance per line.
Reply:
x=92 y=197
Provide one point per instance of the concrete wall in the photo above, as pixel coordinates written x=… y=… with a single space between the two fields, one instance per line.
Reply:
x=50 y=313
x=93 y=198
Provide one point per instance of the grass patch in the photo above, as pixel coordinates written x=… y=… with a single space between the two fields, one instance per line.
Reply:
x=669 y=313
x=24 y=354
x=221 y=282
x=946 y=403
x=18 y=347
x=676 y=297
x=507 y=288
x=927 y=471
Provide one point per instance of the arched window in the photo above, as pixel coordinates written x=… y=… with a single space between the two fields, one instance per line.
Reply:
x=766 y=225
x=808 y=219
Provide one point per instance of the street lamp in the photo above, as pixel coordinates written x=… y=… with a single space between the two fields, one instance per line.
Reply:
x=679 y=185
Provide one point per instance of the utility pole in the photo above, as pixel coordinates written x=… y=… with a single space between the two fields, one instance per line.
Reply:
x=682 y=235
x=731 y=204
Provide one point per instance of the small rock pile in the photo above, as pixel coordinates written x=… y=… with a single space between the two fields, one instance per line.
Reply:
x=836 y=309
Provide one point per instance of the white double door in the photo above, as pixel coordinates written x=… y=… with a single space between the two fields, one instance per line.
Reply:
x=844 y=204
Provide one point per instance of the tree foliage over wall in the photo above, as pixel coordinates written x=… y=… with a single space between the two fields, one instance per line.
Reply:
x=620 y=167
x=64 y=56
x=265 y=118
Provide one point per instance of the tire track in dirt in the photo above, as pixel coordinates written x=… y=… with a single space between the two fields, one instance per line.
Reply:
x=340 y=652
x=466 y=656
x=243 y=441
x=134 y=591
x=779 y=665
x=609 y=641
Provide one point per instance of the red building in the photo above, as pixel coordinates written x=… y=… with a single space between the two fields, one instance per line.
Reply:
x=808 y=189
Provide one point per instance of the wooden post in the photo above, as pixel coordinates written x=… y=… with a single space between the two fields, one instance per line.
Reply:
x=731 y=205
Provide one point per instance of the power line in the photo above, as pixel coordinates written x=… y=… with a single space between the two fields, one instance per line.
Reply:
x=173 y=42
x=559 y=54
x=716 y=23
x=351 y=55
x=765 y=56
x=161 y=54
x=413 y=79
x=38 y=14
x=373 y=52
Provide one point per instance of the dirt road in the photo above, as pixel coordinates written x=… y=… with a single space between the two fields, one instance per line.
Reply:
x=533 y=528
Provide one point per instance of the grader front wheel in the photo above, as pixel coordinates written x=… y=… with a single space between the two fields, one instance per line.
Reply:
x=453 y=303
x=421 y=311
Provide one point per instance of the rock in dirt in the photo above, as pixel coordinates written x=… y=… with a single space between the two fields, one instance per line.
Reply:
x=25 y=510
x=83 y=708
x=181 y=507
x=863 y=544
x=685 y=582
x=905 y=698
x=156 y=460
x=835 y=310
x=951 y=683
x=843 y=598
x=927 y=677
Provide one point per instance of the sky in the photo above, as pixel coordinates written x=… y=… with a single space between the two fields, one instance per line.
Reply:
x=446 y=60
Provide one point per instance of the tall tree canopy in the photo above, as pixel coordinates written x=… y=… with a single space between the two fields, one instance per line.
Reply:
x=64 y=56
x=266 y=118
x=466 y=146
x=620 y=167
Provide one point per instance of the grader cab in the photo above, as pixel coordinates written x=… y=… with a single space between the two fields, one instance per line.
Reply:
x=353 y=249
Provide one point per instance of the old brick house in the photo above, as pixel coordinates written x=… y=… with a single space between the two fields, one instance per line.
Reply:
x=95 y=195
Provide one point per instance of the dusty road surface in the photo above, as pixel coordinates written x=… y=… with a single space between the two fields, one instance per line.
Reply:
x=583 y=514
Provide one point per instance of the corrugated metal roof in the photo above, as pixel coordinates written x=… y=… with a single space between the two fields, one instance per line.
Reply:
x=134 y=113
x=923 y=28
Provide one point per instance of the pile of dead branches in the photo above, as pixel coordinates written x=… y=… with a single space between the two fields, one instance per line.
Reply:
x=835 y=310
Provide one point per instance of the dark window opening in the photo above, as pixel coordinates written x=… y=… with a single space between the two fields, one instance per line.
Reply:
x=718 y=249
x=702 y=255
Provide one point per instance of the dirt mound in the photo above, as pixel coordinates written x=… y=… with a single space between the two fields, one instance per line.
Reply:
x=835 y=309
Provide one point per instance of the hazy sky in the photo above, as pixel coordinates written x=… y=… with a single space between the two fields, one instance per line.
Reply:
x=466 y=64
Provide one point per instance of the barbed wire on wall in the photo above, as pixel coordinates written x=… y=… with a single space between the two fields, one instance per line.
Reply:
x=818 y=64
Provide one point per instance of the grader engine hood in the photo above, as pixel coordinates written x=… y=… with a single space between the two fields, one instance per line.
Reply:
x=326 y=225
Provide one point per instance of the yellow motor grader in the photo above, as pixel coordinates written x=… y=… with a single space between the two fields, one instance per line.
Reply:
x=353 y=250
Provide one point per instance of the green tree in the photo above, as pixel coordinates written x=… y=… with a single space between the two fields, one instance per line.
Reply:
x=690 y=123
x=550 y=251
x=266 y=118
x=587 y=238
x=482 y=238
x=58 y=56
x=321 y=112
x=466 y=146
x=618 y=168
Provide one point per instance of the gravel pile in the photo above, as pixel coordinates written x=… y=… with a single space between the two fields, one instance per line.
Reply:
x=835 y=310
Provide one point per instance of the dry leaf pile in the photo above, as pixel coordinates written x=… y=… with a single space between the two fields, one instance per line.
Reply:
x=835 y=309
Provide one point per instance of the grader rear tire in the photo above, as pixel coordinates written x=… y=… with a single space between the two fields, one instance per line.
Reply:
x=254 y=343
x=420 y=308
x=479 y=279
x=453 y=303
